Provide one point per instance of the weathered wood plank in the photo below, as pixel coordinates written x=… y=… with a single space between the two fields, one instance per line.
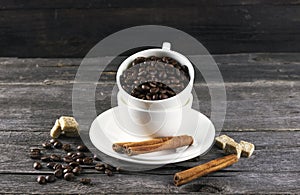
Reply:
x=246 y=182
x=251 y=106
x=234 y=68
x=70 y=29
x=280 y=148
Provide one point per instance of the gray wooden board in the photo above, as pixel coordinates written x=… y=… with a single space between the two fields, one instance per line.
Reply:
x=263 y=108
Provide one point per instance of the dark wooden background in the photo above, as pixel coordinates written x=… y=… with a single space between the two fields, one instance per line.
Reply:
x=69 y=28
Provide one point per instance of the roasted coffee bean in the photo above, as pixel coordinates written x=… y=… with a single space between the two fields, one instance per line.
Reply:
x=82 y=148
x=100 y=168
x=88 y=161
x=52 y=141
x=77 y=170
x=79 y=160
x=46 y=159
x=66 y=147
x=35 y=150
x=37 y=165
x=74 y=164
x=57 y=166
x=80 y=154
x=58 y=173
x=41 y=180
x=50 y=165
x=108 y=172
x=69 y=176
x=70 y=154
x=36 y=156
x=57 y=144
x=50 y=178
x=68 y=170
x=96 y=157
x=66 y=166
x=47 y=145
x=67 y=159
x=85 y=181
x=55 y=157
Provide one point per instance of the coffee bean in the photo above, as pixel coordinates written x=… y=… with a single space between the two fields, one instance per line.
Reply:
x=96 y=157
x=57 y=144
x=46 y=159
x=70 y=153
x=88 y=161
x=52 y=141
x=79 y=160
x=37 y=165
x=50 y=178
x=51 y=165
x=35 y=156
x=154 y=90
x=77 y=170
x=74 y=164
x=41 y=180
x=35 y=150
x=57 y=166
x=67 y=159
x=47 y=145
x=58 y=173
x=55 y=157
x=66 y=166
x=100 y=168
x=108 y=172
x=80 y=154
x=66 y=147
x=107 y=166
x=85 y=181
x=82 y=148
x=69 y=176
x=68 y=170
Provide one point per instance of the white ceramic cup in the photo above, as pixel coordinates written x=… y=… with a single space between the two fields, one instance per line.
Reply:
x=154 y=117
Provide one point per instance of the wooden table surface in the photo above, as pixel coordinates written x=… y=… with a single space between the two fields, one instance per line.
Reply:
x=263 y=94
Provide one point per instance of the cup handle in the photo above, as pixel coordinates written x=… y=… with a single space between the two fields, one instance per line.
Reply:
x=166 y=46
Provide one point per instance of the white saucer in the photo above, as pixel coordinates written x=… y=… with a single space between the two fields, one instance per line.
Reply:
x=105 y=131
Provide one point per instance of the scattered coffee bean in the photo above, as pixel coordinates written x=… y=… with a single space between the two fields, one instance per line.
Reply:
x=50 y=165
x=79 y=160
x=80 y=154
x=69 y=176
x=85 y=181
x=70 y=154
x=99 y=167
x=66 y=147
x=67 y=159
x=57 y=144
x=41 y=180
x=67 y=170
x=55 y=157
x=82 y=148
x=58 y=173
x=35 y=150
x=52 y=141
x=108 y=172
x=88 y=161
x=50 y=178
x=57 y=166
x=37 y=165
x=74 y=164
x=77 y=170
x=66 y=166
x=96 y=157
x=46 y=159
x=47 y=145
x=36 y=156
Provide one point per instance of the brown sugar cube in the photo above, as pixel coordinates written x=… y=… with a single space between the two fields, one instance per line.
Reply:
x=233 y=148
x=247 y=148
x=222 y=140
x=68 y=124
x=56 y=130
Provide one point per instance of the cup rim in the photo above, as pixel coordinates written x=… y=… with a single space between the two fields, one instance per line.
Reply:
x=189 y=65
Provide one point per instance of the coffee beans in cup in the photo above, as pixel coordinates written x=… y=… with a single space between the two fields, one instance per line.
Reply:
x=154 y=78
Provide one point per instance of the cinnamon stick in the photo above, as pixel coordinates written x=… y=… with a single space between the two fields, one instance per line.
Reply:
x=200 y=170
x=172 y=143
x=122 y=146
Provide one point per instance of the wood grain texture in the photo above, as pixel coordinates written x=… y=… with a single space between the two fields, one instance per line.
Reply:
x=263 y=108
x=72 y=28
